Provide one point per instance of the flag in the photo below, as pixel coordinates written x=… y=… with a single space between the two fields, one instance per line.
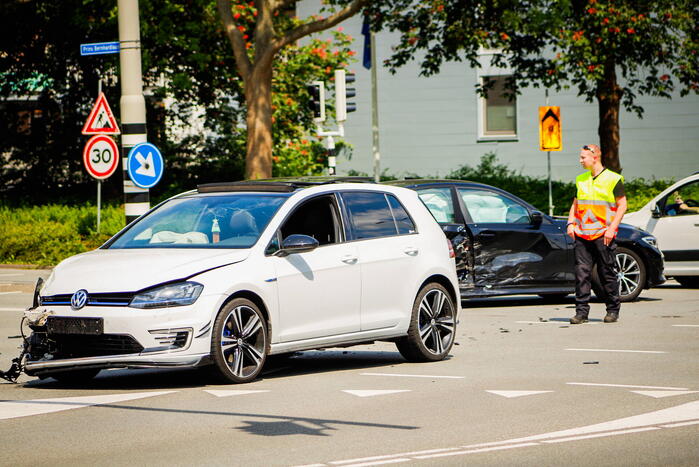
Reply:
x=366 y=32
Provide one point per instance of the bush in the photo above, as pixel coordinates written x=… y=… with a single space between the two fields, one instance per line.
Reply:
x=45 y=235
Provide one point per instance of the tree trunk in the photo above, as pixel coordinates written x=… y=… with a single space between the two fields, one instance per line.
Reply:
x=258 y=98
x=609 y=99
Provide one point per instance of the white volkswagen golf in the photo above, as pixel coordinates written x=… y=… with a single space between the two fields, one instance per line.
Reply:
x=230 y=273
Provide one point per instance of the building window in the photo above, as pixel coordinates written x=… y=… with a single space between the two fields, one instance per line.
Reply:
x=498 y=111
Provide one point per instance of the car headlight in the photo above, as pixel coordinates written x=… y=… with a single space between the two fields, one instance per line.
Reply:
x=652 y=241
x=179 y=294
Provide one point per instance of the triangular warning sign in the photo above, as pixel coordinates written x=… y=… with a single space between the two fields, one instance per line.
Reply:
x=101 y=120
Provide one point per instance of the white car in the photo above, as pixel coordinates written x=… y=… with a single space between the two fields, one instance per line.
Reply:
x=230 y=273
x=673 y=218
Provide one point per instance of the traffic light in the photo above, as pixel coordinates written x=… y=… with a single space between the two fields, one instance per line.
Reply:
x=342 y=92
x=317 y=102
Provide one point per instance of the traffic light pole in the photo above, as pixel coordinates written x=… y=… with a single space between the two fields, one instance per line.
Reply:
x=332 y=160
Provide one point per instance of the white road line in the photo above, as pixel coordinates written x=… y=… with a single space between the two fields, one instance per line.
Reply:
x=10 y=275
x=511 y=394
x=661 y=394
x=678 y=416
x=617 y=350
x=686 y=325
x=373 y=392
x=12 y=309
x=16 y=409
x=8 y=293
x=627 y=386
x=600 y=435
x=411 y=376
x=232 y=392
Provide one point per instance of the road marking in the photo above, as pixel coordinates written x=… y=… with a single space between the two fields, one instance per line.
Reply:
x=628 y=386
x=659 y=394
x=16 y=409
x=412 y=376
x=232 y=392
x=678 y=416
x=10 y=275
x=511 y=394
x=686 y=325
x=8 y=293
x=373 y=392
x=616 y=350
x=600 y=435
x=12 y=309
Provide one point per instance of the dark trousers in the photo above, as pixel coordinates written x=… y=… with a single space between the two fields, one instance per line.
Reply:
x=587 y=254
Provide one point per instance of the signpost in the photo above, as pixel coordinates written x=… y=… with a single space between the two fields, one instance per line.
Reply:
x=550 y=137
x=145 y=165
x=101 y=158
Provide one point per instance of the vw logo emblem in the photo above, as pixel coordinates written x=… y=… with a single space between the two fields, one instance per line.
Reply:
x=79 y=299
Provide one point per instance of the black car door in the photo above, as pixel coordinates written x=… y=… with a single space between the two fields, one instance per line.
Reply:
x=510 y=248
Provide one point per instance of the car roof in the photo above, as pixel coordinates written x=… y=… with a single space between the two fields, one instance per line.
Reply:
x=278 y=185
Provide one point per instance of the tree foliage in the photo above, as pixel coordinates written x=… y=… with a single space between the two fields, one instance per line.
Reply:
x=611 y=51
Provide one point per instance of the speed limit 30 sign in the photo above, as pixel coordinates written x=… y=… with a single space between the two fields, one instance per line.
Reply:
x=101 y=156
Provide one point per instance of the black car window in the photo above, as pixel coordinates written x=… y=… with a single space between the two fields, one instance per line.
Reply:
x=404 y=223
x=490 y=207
x=369 y=215
x=317 y=218
x=438 y=201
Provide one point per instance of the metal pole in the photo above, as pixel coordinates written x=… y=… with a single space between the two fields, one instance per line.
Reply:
x=375 y=111
x=99 y=203
x=548 y=157
x=132 y=103
x=332 y=160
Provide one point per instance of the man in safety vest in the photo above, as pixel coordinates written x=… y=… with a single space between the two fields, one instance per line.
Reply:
x=593 y=220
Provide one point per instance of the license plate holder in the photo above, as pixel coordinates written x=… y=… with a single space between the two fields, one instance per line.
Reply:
x=81 y=326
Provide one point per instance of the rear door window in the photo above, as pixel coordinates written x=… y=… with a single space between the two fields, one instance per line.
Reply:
x=369 y=215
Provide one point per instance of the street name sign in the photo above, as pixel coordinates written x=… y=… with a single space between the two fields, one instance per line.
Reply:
x=101 y=156
x=100 y=48
x=101 y=120
x=145 y=165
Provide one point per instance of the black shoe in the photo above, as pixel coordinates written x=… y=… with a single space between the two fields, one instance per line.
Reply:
x=611 y=318
x=578 y=319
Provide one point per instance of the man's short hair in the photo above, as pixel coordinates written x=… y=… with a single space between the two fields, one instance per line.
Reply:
x=594 y=149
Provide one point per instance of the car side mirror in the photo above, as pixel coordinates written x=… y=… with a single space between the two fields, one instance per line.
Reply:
x=452 y=230
x=297 y=243
x=655 y=211
x=537 y=217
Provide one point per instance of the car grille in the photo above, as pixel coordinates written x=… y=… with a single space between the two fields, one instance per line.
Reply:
x=76 y=346
x=93 y=299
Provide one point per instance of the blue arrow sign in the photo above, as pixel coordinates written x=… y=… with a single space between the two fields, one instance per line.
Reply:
x=145 y=165
x=99 y=48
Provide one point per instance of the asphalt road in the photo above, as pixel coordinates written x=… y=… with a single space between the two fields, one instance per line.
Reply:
x=522 y=387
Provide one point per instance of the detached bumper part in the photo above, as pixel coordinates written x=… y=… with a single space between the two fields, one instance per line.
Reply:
x=39 y=367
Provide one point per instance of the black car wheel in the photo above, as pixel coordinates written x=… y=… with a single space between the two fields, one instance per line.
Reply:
x=691 y=282
x=240 y=342
x=631 y=272
x=432 y=326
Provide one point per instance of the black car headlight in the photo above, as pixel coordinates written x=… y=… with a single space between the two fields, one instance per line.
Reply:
x=179 y=294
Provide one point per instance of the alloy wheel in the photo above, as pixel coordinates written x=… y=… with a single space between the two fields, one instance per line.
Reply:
x=436 y=321
x=628 y=272
x=243 y=341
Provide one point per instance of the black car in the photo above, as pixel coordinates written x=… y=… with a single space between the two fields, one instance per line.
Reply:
x=505 y=246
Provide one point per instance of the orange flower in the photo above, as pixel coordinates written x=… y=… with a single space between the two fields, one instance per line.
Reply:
x=605 y=21
x=592 y=11
x=504 y=36
x=591 y=68
x=665 y=77
x=236 y=16
x=630 y=30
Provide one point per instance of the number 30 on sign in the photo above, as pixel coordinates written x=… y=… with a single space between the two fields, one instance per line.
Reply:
x=101 y=156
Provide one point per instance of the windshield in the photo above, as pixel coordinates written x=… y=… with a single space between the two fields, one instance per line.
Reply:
x=230 y=220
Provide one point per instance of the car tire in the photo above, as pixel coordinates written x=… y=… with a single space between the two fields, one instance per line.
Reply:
x=240 y=342
x=632 y=276
x=432 y=326
x=74 y=376
x=691 y=282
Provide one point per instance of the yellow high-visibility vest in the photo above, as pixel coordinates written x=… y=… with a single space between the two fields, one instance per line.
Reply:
x=596 y=203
